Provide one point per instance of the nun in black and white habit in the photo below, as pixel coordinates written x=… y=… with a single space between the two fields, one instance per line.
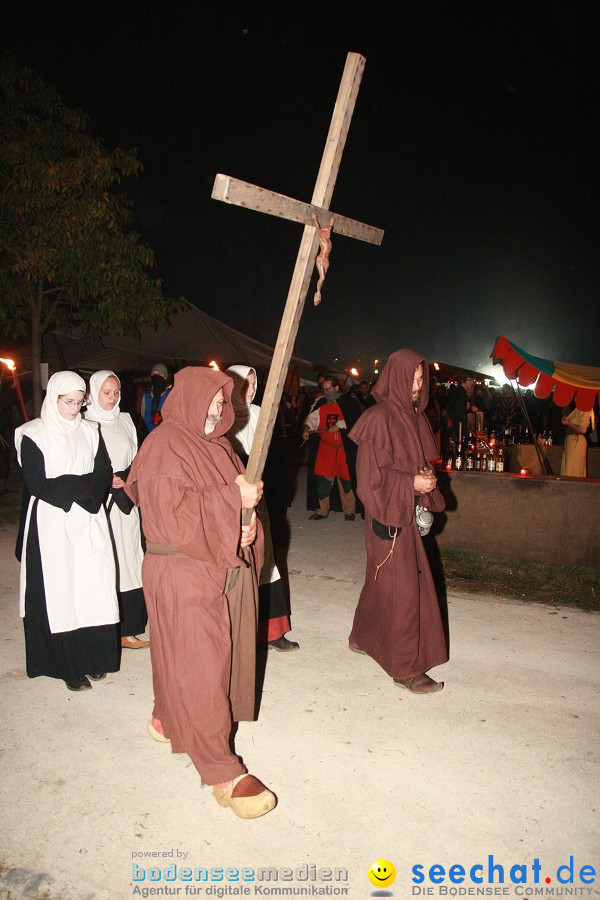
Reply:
x=68 y=597
x=120 y=438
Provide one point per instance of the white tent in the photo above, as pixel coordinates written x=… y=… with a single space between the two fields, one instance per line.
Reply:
x=194 y=338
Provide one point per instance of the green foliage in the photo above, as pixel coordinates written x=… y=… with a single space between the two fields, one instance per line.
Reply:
x=68 y=256
x=536 y=582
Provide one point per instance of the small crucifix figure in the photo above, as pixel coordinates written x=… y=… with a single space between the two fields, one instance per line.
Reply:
x=322 y=260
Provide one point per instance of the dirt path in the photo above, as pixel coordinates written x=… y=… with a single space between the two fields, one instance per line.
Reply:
x=502 y=763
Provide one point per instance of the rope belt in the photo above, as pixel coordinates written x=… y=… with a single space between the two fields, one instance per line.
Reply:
x=163 y=550
x=390 y=554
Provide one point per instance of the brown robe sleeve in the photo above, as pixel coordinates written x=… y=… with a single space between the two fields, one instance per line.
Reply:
x=388 y=495
x=203 y=523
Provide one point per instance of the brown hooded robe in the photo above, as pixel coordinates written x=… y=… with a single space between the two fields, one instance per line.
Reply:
x=203 y=641
x=397 y=620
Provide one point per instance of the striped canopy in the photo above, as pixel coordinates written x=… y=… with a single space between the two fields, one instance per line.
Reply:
x=565 y=381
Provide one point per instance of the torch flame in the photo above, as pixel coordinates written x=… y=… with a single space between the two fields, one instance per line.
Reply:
x=353 y=372
x=9 y=363
x=213 y=365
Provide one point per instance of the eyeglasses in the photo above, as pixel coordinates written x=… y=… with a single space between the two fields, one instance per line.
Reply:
x=73 y=403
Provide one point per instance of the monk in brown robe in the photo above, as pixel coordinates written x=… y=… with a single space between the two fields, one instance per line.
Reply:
x=190 y=487
x=397 y=621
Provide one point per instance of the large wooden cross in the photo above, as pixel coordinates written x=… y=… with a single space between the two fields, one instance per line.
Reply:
x=240 y=193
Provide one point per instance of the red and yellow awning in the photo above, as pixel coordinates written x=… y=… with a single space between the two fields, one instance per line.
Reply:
x=565 y=381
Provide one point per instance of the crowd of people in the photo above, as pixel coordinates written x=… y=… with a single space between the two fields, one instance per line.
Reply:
x=116 y=537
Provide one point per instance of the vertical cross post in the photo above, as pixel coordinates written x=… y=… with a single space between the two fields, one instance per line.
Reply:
x=257 y=198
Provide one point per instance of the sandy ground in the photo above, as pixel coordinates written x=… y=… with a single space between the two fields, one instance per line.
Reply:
x=503 y=763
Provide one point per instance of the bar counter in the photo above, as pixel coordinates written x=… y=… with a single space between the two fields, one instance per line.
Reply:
x=524 y=456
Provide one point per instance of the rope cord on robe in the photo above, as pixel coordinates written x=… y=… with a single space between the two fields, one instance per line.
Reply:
x=390 y=554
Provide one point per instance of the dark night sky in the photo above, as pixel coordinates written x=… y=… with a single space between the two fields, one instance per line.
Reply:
x=473 y=144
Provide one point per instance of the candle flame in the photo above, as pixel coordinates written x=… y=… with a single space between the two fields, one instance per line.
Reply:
x=214 y=366
x=9 y=363
x=353 y=372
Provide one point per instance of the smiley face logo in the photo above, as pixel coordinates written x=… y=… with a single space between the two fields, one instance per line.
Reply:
x=382 y=873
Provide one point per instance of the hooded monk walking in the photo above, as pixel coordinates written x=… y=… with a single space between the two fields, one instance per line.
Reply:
x=190 y=487
x=397 y=620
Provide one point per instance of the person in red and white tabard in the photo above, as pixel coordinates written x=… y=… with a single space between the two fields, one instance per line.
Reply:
x=331 y=418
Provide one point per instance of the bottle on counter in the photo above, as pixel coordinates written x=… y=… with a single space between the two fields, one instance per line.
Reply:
x=459 y=459
x=500 y=459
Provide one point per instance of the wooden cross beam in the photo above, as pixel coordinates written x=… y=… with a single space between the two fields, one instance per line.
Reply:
x=241 y=193
x=230 y=190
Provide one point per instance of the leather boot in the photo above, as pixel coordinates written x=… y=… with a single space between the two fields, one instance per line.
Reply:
x=420 y=684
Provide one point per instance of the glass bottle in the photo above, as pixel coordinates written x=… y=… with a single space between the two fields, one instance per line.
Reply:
x=470 y=460
x=459 y=459
x=500 y=459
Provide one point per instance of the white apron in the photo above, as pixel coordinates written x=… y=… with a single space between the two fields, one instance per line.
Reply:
x=121 y=443
x=76 y=551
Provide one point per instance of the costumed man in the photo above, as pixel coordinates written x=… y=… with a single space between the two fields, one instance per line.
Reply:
x=155 y=396
x=191 y=490
x=397 y=620
x=331 y=456
x=363 y=394
x=273 y=610
x=574 y=458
